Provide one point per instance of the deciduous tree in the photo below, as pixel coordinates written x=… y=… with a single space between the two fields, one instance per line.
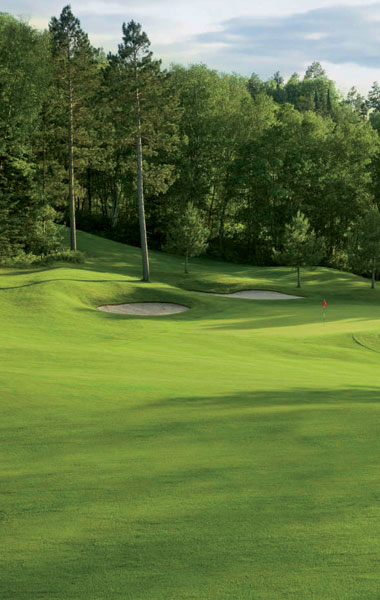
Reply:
x=365 y=244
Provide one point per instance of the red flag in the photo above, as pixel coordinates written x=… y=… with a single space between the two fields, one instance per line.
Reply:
x=324 y=303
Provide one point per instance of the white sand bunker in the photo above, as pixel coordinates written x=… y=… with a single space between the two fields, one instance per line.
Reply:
x=257 y=295
x=144 y=308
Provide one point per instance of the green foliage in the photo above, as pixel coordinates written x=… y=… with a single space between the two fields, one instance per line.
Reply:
x=187 y=234
x=315 y=71
x=255 y=86
x=43 y=236
x=25 y=75
x=218 y=117
x=300 y=245
x=315 y=92
x=66 y=255
x=356 y=102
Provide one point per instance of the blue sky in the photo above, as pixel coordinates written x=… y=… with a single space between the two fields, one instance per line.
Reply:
x=238 y=36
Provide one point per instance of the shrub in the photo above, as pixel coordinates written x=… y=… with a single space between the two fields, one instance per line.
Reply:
x=24 y=260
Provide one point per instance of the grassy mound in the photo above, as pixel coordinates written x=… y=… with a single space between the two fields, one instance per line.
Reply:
x=227 y=452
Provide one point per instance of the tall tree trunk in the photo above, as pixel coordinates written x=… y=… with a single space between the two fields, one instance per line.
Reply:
x=298 y=276
x=71 y=168
x=103 y=203
x=186 y=261
x=140 y=187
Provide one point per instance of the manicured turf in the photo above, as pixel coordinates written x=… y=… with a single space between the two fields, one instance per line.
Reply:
x=228 y=452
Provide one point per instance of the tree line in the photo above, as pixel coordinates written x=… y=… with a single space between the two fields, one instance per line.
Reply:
x=186 y=160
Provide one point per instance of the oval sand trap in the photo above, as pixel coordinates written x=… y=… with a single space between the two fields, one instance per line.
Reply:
x=144 y=308
x=257 y=295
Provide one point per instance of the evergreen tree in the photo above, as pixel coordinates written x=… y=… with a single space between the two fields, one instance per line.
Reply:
x=135 y=54
x=75 y=66
x=187 y=234
x=142 y=88
x=300 y=246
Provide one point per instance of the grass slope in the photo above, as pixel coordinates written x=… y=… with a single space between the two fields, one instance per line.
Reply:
x=228 y=452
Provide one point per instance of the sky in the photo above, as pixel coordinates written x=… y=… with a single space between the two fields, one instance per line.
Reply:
x=237 y=36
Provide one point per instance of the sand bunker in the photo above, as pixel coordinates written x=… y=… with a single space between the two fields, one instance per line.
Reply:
x=257 y=295
x=144 y=308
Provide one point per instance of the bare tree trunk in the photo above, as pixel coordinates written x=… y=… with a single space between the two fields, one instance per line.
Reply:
x=140 y=188
x=186 y=261
x=71 y=168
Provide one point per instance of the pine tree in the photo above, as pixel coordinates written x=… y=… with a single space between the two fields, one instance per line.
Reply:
x=143 y=107
x=75 y=67
x=135 y=54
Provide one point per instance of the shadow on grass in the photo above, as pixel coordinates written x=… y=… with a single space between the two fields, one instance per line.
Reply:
x=298 y=397
x=199 y=496
x=63 y=279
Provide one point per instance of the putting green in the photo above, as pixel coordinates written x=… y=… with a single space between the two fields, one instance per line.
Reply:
x=227 y=452
x=368 y=340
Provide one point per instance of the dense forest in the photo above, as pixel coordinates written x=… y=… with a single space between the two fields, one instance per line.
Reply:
x=189 y=159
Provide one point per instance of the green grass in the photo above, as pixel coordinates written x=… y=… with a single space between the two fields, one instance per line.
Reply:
x=228 y=452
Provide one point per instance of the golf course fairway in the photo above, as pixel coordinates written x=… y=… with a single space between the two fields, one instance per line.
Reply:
x=231 y=451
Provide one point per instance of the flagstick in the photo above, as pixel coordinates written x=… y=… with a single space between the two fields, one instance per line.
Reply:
x=324 y=304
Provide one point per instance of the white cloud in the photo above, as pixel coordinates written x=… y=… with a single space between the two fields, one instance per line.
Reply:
x=314 y=36
x=351 y=75
x=100 y=8
x=239 y=36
